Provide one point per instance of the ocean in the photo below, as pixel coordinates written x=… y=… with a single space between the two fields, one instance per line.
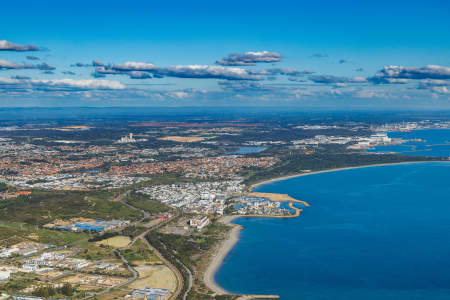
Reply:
x=370 y=233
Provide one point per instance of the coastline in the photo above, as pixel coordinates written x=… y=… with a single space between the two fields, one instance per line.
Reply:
x=264 y=182
x=219 y=256
x=233 y=238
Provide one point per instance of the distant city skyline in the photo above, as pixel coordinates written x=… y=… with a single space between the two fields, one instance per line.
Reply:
x=330 y=54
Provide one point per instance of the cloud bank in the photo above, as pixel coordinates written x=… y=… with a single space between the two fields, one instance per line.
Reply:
x=23 y=83
x=8 y=46
x=249 y=58
x=7 y=65
x=400 y=74
x=189 y=71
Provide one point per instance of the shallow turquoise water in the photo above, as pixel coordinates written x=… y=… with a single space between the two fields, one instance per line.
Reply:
x=370 y=233
x=437 y=143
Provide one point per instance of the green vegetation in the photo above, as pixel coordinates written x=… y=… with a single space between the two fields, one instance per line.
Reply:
x=48 y=291
x=329 y=158
x=8 y=230
x=134 y=254
x=14 y=285
x=197 y=296
x=187 y=247
x=92 y=251
x=145 y=203
x=103 y=236
x=3 y=187
x=133 y=231
x=189 y=251
x=140 y=252
x=42 y=207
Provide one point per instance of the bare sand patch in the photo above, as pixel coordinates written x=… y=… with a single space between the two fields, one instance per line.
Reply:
x=277 y=197
x=158 y=276
x=183 y=139
x=115 y=242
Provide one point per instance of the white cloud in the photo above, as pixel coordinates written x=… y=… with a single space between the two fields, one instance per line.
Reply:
x=135 y=66
x=8 y=46
x=249 y=58
x=4 y=64
x=178 y=95
x=400 y=74
x=60 y=84
x=87 y=84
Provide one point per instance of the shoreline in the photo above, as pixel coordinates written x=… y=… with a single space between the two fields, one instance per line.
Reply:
x=221 y=253
x=264 y=182
x=233 y=237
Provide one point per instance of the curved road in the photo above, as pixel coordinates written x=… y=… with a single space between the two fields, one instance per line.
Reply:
x=178 y=275
x=180 y=281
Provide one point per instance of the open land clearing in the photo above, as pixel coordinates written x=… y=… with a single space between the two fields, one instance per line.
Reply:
x=183 y=139
x=115 y=241
x=94 y=281
x=156 y=276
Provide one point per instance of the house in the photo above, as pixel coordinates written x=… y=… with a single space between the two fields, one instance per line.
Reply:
x=30 y=267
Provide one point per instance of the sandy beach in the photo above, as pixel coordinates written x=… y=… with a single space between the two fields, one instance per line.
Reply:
x=255 y=185
x=223 y=250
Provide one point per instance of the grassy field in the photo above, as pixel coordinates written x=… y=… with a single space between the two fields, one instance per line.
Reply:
x=92 y=251
x=139 y=254
x=115 y=242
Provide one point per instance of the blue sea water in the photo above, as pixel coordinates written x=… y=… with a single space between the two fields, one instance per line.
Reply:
x=370 y=233
x=436 y=143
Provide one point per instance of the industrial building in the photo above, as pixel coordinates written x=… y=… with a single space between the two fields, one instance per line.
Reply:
x=151 y=294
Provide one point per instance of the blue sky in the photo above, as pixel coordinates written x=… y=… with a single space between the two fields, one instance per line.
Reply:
x=330 y=53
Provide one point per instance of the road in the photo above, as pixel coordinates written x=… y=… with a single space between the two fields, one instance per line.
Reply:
x=178 y=275
x=130 y=280
x=180 y=281
x=189 y=282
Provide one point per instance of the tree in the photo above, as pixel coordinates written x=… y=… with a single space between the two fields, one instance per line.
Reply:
x=67 y=289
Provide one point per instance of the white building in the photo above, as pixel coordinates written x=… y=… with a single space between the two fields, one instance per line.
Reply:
x=29 y=268
x=199 y=222
x=8 y=252
x=127 y=139
x=26 y=297
x=5 y=275
x=381 y=138
x=151 y=294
